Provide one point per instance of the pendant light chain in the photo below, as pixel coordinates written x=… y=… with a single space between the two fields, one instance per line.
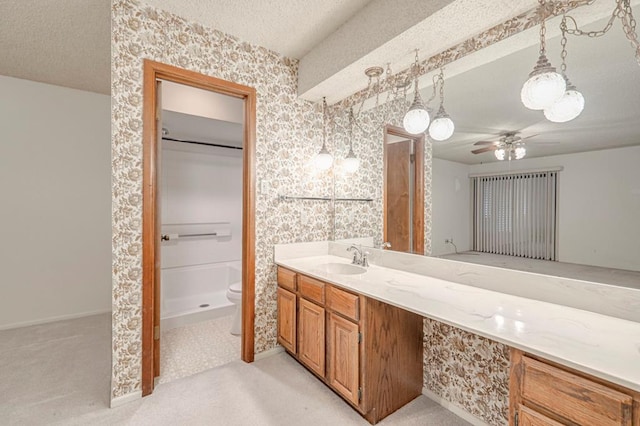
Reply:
x=563 y=44
x=441 y=80
x=623 y=12
x=351 y=121
x=324 y=122
x=543 y=30
x=416 y=72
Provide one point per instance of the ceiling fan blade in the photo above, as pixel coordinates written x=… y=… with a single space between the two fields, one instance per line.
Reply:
x=481 y=150
x=530 y=136
x=485 y=143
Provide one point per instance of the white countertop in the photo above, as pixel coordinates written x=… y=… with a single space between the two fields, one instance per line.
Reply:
x=596 y=344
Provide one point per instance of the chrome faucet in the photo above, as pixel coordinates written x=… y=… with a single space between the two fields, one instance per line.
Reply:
x=359 y=258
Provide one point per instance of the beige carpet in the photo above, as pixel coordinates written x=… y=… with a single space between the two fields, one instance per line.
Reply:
x=58 y=374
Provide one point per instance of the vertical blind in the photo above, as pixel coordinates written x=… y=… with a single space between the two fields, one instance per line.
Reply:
x=515 y=214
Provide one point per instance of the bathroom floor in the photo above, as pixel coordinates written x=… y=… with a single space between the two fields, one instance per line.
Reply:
x=191 y=349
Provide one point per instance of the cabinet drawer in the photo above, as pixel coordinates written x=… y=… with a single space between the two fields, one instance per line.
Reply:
x=311 y=289
x=343 y=302
x=572 y=397
x=286 y=279
x=528 y=417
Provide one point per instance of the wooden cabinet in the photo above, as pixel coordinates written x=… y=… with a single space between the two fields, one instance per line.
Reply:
x=544 y=393
x=344 y=357
x=287 y=303
x=311 y=336
x=368 y=352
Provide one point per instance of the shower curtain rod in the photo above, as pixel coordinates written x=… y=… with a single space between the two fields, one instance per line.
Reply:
x=164 y=138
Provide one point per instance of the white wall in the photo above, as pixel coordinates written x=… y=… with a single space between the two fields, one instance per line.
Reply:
x=204 y=186
x=55 y=219
x=599 y=205
x=451 y=206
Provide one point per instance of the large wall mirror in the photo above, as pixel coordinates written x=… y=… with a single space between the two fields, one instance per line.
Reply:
x=585 y=189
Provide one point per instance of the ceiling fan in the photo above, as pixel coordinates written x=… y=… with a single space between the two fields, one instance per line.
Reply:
x=509 y=145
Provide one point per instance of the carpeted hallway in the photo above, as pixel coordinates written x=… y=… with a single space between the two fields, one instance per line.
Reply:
x=58 y=374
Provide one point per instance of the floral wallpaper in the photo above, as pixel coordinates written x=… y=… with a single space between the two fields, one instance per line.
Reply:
x=467 y=370
x=288 y=136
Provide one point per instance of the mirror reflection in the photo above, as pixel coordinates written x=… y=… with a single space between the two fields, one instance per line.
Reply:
x=511 y=188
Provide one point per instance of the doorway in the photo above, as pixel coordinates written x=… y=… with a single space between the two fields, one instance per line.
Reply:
x=152 y=233
x=403 y=195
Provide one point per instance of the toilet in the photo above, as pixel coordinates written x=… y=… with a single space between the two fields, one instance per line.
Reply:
x=234 y=294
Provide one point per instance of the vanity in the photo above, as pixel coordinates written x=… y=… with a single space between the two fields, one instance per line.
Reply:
x=367 y=351
x=361 y=333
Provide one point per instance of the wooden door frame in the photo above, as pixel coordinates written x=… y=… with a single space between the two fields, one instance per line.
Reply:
x=418 y=203
x=154 y=71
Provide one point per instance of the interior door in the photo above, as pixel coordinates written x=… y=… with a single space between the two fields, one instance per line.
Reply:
x=398 y=212
x=158 y=225
x=404 y=212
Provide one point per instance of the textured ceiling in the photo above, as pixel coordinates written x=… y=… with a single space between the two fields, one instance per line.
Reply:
x=61 y=42
x=289 y=27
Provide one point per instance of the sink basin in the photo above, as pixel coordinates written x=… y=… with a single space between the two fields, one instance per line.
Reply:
x=342 y=268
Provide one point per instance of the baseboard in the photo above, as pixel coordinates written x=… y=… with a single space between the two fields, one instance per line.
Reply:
x=52 y=319
x=270 y=352
x=125 y=399
x=454 y=408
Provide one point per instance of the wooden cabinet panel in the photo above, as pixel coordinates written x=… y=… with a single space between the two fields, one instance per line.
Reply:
x=287 y=279
x=573 y=397
x=311 y=336
x=287 y=319
x=528 y=417
x=343 y=302
x=311 y=289
x=344 y=357
x=392 y=340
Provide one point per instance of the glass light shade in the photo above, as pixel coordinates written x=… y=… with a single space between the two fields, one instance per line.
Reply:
x=520 y=151
x=416 y=120
x=351 y=163
x=544 y=86
x=499 y=153
x=542 y=90
x=568 y=107
x=323 y=160
x=442 y=126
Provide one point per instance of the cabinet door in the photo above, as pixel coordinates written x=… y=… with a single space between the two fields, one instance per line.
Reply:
x=287 y=319
x=311 y=336
x=344 y=357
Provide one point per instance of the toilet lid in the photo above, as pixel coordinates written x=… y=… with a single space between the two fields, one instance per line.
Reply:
x=236 y=287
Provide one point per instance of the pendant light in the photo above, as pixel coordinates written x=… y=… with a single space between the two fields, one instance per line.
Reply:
x=351 y=163
x=323 y=160
x=544 y=86
x=571 y=104
x=442 y=126
x=416 y=120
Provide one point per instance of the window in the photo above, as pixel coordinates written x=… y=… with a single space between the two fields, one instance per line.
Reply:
x=515 y=214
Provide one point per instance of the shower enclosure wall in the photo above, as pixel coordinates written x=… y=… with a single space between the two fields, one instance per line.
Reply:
x=201 y=214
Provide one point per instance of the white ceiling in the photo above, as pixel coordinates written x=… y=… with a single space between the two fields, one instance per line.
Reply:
x=485 y=101
x=61 y=42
